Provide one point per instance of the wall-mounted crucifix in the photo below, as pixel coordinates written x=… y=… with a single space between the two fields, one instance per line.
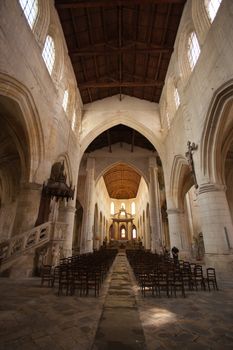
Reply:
x=189 y=155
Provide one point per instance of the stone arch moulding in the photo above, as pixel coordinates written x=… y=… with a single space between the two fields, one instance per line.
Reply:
x=12 y=88
x=214 y=133
x=184 y=70
x=178 y=170
x=42 y=22
x=56 y=34
x=108 y=167
x=200 y=20
x=113 y=121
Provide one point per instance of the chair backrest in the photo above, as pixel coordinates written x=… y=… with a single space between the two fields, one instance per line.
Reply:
x=211 y=272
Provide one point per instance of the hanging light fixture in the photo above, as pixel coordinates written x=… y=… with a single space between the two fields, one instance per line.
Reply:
x=56 y=185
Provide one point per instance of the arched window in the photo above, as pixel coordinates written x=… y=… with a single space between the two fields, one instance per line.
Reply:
x=134 y=233
x=133 y=208
x=168 y=120
x=30 y=9
x=48 y=53
x=212 y=7
x=65 y=100
x=123 y=232
x=123 y=205
x=112 y=208
x=73 y=121
x=193 y=50
x=177 y=98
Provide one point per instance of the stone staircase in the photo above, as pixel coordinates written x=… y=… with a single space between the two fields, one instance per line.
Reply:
x=20 y=249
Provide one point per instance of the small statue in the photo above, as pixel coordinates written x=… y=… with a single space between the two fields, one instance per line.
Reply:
x=189 y=155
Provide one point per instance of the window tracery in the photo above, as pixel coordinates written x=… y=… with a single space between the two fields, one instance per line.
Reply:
x=48 y=53
x=30 y=10
x=193 y=50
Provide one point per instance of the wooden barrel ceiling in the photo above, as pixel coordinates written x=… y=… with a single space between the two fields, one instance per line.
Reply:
x=122 y=182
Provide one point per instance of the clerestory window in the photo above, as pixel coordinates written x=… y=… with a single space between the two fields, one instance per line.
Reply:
x=212 y=7
x=112 y=208
x=65 y=100
x=177 y=98
x=193 y=50
x=30 y=10
x=48 y=53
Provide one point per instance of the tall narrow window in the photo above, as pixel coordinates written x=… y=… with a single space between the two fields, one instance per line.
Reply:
x=30 y=9
x=112 y=208
x=177 y=98
x=48 y=53
x=168 y=120
x=133 y=208
x=73 y=121
x=134 y=233
x=212 y=7
x=193 y=50
x=123 y=232
x=65 y=100
x=123 y=205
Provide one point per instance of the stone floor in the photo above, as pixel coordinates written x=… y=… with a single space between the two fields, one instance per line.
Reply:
x=34 y=317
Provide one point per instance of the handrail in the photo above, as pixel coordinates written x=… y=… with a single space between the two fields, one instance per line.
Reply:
x=16 y=245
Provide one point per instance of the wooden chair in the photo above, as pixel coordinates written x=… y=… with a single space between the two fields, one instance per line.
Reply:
x=177 y=283
x=198 y=277
x=46 y=275
x=211 y=278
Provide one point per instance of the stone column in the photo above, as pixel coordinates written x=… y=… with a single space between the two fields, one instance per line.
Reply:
x=178 y=237
x=155 y=210
x=217 y=228
x=28 y=204
x=67 y=215
x=88 y=213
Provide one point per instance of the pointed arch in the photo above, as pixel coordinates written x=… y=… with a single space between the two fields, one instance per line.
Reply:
x=181 y=180
x=15 y=90
x=124 y=120
x=217 y=133
x=68 y=167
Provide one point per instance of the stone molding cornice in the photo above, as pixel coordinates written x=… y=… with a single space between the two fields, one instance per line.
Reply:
x=210 y=187
x=173 y=211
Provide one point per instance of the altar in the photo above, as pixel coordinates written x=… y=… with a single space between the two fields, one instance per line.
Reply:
x=122 y=228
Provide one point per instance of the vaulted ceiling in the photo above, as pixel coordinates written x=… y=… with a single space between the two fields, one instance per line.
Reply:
x=122 y=182
x=120 y=46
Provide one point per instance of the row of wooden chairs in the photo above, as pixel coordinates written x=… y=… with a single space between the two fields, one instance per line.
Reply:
x=155 y=275
x=79 y=273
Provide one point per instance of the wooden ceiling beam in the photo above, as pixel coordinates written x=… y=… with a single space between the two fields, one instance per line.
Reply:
x=107 y=3
x=99 y=85
x=107 y=66
x=149 y=37
x=119 y=9
x=163 y=40
x=120 y=51
x=136 y=38
x=91 y=42
x=81 y=61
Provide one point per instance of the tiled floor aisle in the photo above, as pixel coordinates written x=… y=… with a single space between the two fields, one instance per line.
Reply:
x=34 y=317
